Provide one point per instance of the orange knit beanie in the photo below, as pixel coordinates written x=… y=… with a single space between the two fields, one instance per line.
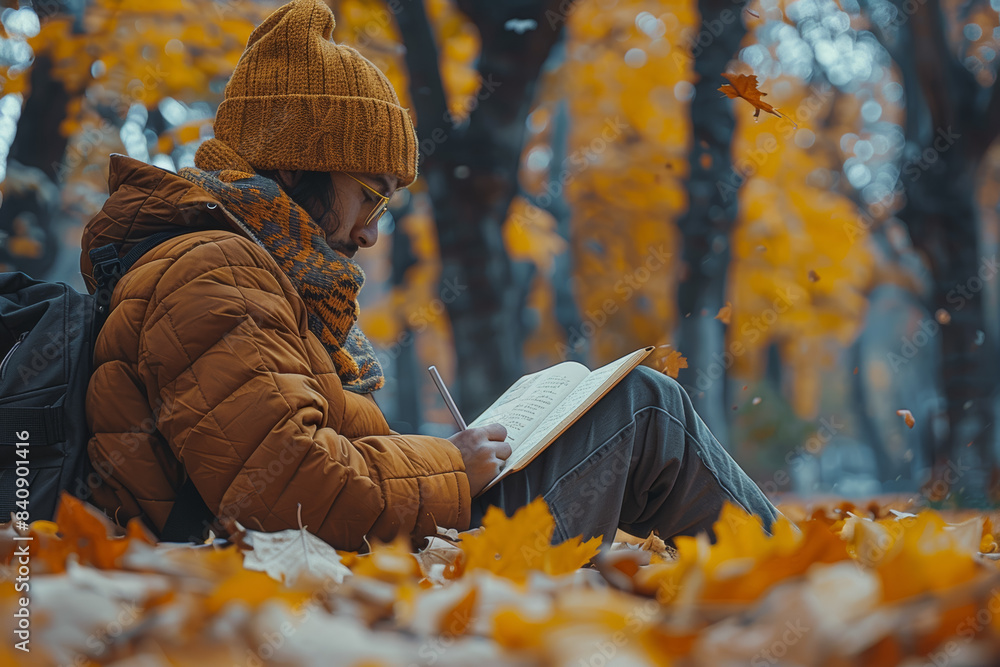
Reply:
x=297 y=100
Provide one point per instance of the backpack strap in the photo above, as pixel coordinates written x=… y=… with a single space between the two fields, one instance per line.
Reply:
x=109 y=268
x=190 y=517
x=47 y=425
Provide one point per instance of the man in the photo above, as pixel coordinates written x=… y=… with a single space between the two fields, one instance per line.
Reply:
x=231 y=363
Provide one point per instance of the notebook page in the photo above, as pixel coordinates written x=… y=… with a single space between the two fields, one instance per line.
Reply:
x=577 y=398
x=522 y=407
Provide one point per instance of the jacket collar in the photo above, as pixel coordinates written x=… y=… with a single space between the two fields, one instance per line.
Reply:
x=145 y=199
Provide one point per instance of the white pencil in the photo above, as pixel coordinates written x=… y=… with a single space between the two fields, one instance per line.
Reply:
x=447 y=397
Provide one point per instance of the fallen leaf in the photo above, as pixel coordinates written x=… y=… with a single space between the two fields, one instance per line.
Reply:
x=924 y=556
x=620 y=564
x=512 y=547
x=251 y=588
x=288 y=555
x=658 y=547
x=457 y=619
x=85 y=531
x=392 y=563
x=439 y=560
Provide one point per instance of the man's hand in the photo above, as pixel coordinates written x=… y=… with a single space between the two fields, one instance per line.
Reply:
x=484 y=452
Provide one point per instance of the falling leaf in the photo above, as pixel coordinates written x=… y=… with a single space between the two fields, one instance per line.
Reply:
x=907 y=417
x=745 y=86
x=674 y=363
x=725 y=313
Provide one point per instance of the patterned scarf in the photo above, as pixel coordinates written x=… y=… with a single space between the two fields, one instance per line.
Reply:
x=327 y=281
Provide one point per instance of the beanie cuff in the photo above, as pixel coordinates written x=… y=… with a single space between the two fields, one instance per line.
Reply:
x=320 y=133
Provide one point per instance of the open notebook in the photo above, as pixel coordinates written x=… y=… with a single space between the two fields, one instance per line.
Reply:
x=540 y=406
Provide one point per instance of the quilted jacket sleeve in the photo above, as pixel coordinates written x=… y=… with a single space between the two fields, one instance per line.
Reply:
x=259 y=431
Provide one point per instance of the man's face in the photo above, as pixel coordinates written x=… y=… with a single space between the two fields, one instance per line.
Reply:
x=353 y=204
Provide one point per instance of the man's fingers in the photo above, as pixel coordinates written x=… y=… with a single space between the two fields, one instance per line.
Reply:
x=495 y=432
x=503 y=451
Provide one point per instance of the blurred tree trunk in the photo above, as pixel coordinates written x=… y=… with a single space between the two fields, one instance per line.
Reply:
x=567 y=313
x=38 y=142
x=39 y=145
x=31 y=200
x=408 y=415
x=706 y=226
x=470 y=170
x=951 y=121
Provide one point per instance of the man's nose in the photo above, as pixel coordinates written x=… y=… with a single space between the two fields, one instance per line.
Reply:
x=365 y=236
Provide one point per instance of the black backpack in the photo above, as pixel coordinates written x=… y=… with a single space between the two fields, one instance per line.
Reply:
x=47 y=335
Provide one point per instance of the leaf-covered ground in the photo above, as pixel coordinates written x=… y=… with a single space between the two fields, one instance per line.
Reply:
x=836 y=584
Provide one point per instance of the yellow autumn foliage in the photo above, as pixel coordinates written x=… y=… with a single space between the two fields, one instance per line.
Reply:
x=513 y=547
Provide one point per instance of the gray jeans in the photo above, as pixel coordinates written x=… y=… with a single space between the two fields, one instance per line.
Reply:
x=641 y=460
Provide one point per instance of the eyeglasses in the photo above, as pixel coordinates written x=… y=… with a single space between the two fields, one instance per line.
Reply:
x=383 y=204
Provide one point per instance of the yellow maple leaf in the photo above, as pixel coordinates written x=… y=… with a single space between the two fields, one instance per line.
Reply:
x=575 y=613
x=674 y=363
x=81 y=529
x=743 y=563
x=512 y=547
x=923 y=556
x=457 y=619
x=516 y=633
x=252 y=588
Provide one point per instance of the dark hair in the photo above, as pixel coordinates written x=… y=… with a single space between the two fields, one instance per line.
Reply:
x=314 y=192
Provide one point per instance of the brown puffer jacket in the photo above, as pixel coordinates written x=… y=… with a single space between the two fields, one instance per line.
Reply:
x=206 y=365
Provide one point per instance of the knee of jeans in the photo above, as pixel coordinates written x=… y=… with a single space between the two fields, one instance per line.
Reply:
x=660 y=385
